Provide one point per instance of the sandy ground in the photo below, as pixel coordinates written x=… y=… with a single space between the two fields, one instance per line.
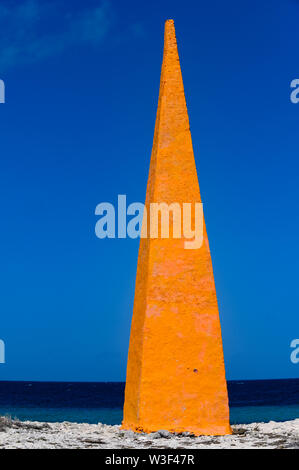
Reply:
x=36 y=435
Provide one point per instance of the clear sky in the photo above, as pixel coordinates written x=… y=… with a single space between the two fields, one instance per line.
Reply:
x=82 y=82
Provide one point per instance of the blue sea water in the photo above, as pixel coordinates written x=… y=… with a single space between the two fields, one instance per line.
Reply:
x=250 y=401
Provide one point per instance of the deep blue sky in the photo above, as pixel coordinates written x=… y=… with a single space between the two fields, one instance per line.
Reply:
x=76 y=129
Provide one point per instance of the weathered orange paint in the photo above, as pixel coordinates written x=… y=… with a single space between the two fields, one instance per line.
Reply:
x=175 y=372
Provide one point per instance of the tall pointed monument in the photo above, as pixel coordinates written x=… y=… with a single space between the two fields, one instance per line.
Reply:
x=175 y=371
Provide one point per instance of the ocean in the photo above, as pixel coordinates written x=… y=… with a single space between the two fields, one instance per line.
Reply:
x=93 y=402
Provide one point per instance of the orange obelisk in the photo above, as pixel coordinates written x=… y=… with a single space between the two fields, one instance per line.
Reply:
x=175 y=372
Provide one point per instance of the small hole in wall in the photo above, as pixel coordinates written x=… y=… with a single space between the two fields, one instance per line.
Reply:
x=195 y=370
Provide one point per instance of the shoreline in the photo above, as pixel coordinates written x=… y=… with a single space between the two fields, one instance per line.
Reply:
x=16 y=434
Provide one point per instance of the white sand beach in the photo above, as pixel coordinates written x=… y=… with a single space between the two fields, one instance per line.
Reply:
x=36 y=435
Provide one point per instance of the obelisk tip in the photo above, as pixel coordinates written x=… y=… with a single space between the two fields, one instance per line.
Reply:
x=169 y=34
x=169 y=25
